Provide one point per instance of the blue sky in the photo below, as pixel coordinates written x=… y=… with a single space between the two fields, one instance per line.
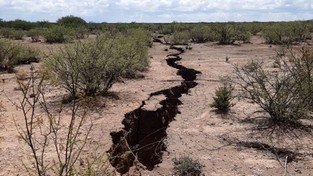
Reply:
x=158 y=10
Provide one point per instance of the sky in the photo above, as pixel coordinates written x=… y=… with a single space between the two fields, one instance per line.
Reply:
x=158 y=10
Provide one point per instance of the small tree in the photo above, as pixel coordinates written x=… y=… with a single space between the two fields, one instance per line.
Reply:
x=223 y=97
x=277 y=92
x=46 y=131
x=72 y=22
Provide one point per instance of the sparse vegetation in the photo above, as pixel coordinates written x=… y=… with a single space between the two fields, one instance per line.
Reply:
x=186 y=166
x=87 y=66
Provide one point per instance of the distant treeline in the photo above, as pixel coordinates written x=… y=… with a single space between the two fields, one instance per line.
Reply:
x=71 y=27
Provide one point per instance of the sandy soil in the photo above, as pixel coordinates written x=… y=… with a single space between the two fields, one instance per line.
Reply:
x=215 y=140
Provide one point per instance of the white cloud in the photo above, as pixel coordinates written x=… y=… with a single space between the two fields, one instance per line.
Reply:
x=143 y=5
x=76 y=7
x=169 y=10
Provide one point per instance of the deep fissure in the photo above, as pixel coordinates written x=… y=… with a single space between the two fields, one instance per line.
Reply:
x=144 y=130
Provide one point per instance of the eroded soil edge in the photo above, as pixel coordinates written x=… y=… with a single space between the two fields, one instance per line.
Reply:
x=144 y=130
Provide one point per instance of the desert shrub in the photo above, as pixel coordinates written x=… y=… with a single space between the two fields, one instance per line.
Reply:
x=35 y=34
x=26 y=55
x=14 y=54
x=229 y=33
x=17 y=34
x=21 y=24
x=58 y=34
x=254 y=27
x=299 y=62
x=201 y=34
x=11 y=33
x=186 y=166
x=286 y=33
x=72 y=22
x=81 y=32
x=55 y=34
x=76 y=26
x=242 y=33
x=225 y=33
x=6 y=32
x=223 y=97
x=277 y=34
x=136 y=43
x=180 y=38
x=300 y=31
x=93 y=67
x=167 y=29
x=277 y=92
x=8 y=51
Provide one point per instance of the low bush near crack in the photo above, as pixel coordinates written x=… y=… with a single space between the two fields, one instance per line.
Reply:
x=201 y=34
x=93 y=67
x=186 y=166
x=223 y=97
x=180 y=38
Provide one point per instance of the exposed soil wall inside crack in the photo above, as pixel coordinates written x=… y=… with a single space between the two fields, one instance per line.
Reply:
x=144 y=133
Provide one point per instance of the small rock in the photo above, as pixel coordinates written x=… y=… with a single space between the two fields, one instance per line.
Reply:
x=298 y=171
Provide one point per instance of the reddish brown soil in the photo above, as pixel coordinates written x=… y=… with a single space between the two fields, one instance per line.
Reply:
x=217 y=141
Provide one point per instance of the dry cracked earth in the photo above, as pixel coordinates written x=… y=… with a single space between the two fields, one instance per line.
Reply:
x=169 y=111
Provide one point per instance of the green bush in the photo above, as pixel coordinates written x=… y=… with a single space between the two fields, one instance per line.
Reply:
x=21 y=25
x=223 y=97
x=201 y=34
x=11 y=33
x=35 y=34
x=278 y=93
x=72 y=22
x=58 y=34
x=180 y=38
x=93 y=67
x=6 y=32
x=26 y=55
x=225 y=33
x=14 y=54
x=186 y=166
x=136 y=43
x=229 y=33
x=81 y=32
x=242 y=33
x=286 y=33
x=17 y=34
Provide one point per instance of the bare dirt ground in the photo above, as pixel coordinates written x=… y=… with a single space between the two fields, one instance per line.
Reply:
x=225 y=145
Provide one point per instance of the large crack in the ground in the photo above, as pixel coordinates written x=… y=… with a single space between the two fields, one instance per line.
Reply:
x=144 y=130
